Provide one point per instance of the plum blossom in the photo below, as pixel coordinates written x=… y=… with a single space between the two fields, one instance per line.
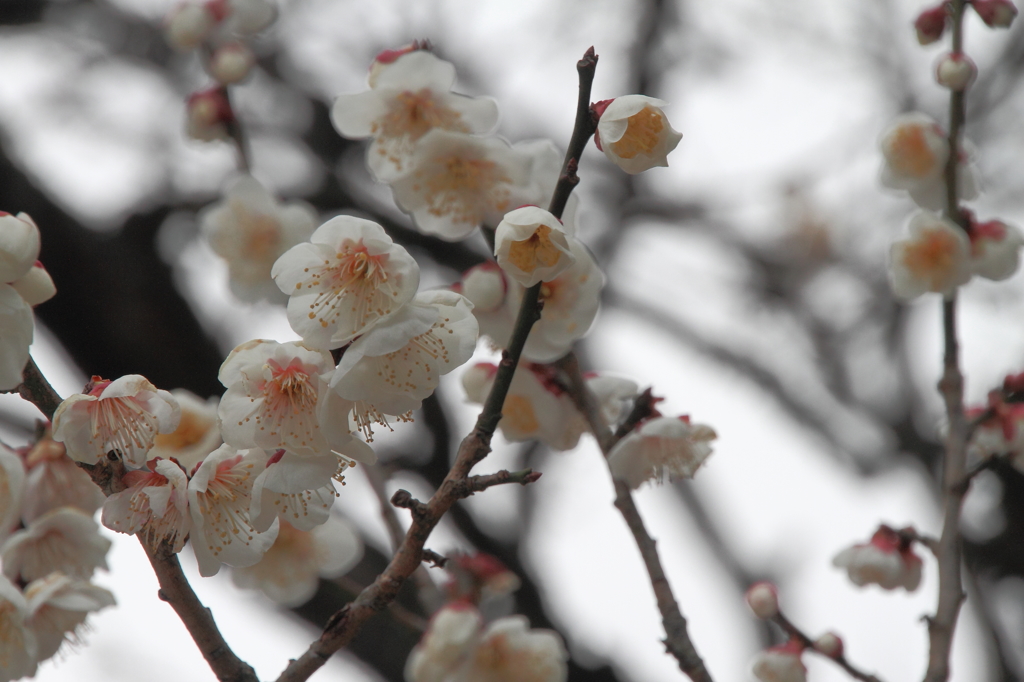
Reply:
x=457 y=182
x=58 y=606
x=955 y=71
x=154 y=505
x=393 y=367
x=915 y=150
x=12 y=479
x=36 y=286
x=290 y=570
x=615 y=395
x=1001 y=434
x=763 y=600
x=659 y=448
x=406 y=100
x=781 y=663
x=248 y=17
x=54 y=480
x=479 y=577
x=995 y=249
x=887 y=561
x=197 y=435
x=16 y=332
x=124 y=415
x=19 y=249
x=65 y=539
x=219 y=496
x=829 y=644
x=348 y=278
x=446 y=645
x=532 y=246
x=18 y=647
x=188 y=24
x=509 y=651
x=298 y=490
x=936 y=258
x=208 y=114
x=634 y=133
x=250 y=230
x=495 y=305
x=995 y=13
x=19 y=245
x=231 y=63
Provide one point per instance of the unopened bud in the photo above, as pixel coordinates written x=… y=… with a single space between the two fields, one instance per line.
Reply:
x=209 y=112
x=995 y=13
x=231 y=63
x=484 y=286
x=955 y=71
x=188 y=25
x=476 y=381
x=763 y=600
x=36 y=286
x=829 y=644
x=931 y=24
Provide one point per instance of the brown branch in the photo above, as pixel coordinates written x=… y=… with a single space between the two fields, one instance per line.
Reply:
x=794 y=632
x=344 y=624
x=38 y=391
x=475 y=484
x=677 y=638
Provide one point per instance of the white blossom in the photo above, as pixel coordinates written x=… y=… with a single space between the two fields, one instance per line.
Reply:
x=634 y=133
x=16 y=332
x=19 y=246
x=781 y=664
x=531 y=245
x=12 y=480
x=408 y=99
x=36 y=286
x=65 y=539
x=763 y=600
x=348 y=278
x=54 y=480
x=208 y=114
x=298 y=490
x=495 y=305
x=615 y=395
x=936 y=258
x=197 y=435
x=887 y=561
x=154 y=505
x=58 y=606
x=18 y=647
x=231 y=63
x=509 y=651
x=188 y=24
x=446 y=645
x=995 y=249
x=124 y=415
x=659 y=448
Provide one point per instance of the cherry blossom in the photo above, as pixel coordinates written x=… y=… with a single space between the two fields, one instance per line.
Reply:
x=781 y=663
x=65 y=539
x=532 y=246
x=58 y=606
x=197 y=435
x=54 y=480
x=936 y=258
x=393 y=367
x=123 y=416
x=154 y=505
x=446 y=645
x=18 y=647
x=219 y=495
x=457 y=182
x=289 y=572
x=408 y=99
x=634 y=133
x=995 y=249
x=915 y=150
x=348 y=278
x=659 y=448
x=887 y=561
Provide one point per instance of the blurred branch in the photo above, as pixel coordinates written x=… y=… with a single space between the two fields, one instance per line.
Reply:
x=794 y=632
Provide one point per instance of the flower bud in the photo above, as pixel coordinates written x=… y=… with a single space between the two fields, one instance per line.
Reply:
x=955 y=71
x=477 y=381
x=634 y=133
x=231 y=63
x=829 y=644
x=763 y=600
x=36 y=286
x=187 y=25
x=995 y=249
x=387 y=57
x=995 y=13
x=931 y=24
x=19 y=246
x=209 y=112
x=485 y=287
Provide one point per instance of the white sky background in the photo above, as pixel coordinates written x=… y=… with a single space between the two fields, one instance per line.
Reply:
x=765 y=94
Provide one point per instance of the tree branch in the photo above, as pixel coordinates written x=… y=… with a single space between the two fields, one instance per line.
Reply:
x=794 y=632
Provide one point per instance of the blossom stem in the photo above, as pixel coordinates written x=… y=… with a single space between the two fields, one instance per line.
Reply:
x=795 y=633
x=677 y=638
x=344 y=624
x=951 y=387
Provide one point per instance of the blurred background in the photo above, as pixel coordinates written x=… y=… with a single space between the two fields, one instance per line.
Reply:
x=746 y=283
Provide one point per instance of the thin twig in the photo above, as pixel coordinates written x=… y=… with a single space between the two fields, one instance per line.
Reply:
x=677 y=638
x=37 y=390
x=794 y=632
x=344 y=624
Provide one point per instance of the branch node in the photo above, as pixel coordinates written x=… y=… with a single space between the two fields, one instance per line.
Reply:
x=432 y=557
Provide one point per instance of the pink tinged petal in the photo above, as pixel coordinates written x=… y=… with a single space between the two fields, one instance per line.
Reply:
x=16 y=330
x=64 y=539
x=19 y=246
x=415 y=70
x=58 y=607
x=57 y=482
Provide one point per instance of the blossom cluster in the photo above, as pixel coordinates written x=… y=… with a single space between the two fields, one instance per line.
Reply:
x=1000 y=424
x=50 y=546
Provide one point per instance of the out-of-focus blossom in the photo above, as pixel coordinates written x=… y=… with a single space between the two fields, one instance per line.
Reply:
x=231 y=63
x=614 y=395
x=36 y=286
x=298 y=490
x=495 y=305
x=19 y=249
x=995 y=13
x=995 y=249
x=458 y=182
x=154 y=505
x=509 y=651
x=936 y=258
x=829 y=644
x=931 y=24
x=250 y=230
x=248 y=17
x=197 y=435
x=915 y=151
x=349 y=277
x=19 y=246
x=219 y=496
x=659 y=448
x=16 y=332
x=446 y=645
x=1002 y=433
x=393 y=367
x=208 y=115
x=408 y=99
x=58 y=606
x=12 y=479
x=955 y=71
x=386 y=58
x=887 y=560
x=65 y=540
x=54 y=480
x=763 y=600
x=124 y=415
x=781 y=663
x=532 y=246
x=289 y=572
x=189 y=24
x=634 y=133
x=478 y=577
x=18 y=647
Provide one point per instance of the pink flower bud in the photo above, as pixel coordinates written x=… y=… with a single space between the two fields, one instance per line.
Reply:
x=188 y=24
x=995 y=13
x=231 y=63
x=763 y=600
x=209 y=112
x=485 y=287
x=781 y=663
x=829 y=644
x=931 y=24
x=955 y=71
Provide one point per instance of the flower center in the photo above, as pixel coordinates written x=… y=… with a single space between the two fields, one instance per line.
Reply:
x=932 y=256
x=463 y=189
x=518 y=410
x=643 y=131
x=536 y=251
x=191 y=430
x=909 y=153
